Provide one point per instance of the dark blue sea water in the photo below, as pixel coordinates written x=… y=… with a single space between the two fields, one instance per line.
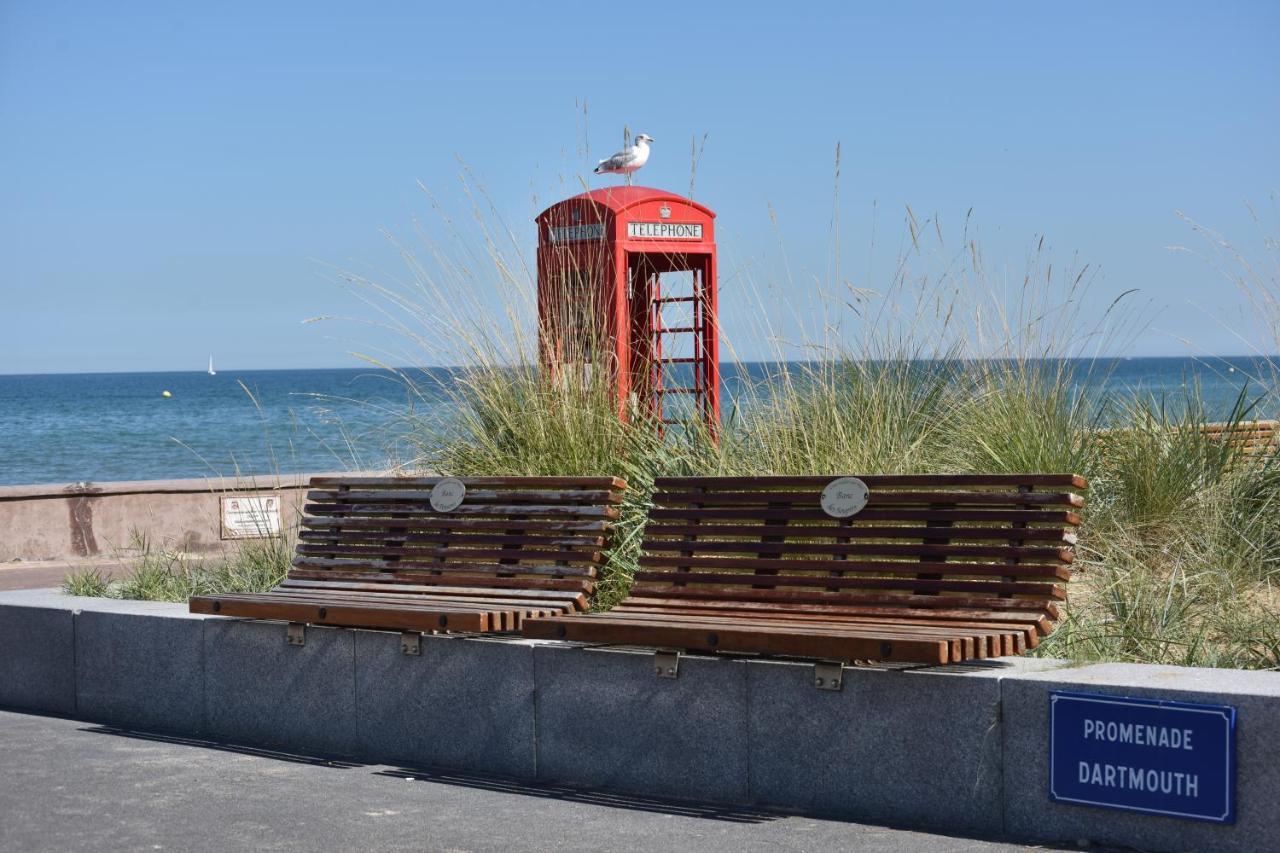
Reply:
x=58 y=428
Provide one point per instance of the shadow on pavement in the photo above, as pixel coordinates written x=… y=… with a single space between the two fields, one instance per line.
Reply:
x=498 y=784
x=567 y=793
x=261 y=752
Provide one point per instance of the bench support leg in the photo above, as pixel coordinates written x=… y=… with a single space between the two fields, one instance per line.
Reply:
x=828 y=675
x=666 y=664
x=296 y=634
x=411 y=643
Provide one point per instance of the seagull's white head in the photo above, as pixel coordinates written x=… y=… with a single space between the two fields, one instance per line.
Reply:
x=643 y=137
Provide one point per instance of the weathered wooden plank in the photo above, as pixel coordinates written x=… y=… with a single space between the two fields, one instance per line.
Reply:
x=913 y=627
x=813 y=643
x=874 y=499
x=822 y=596
x=746 y=546
x=462 y=555
x=463 y=538
x=936 y=615
x=406 y=521
x=481 y=496
x=449 y=577
x=720 y=567
x=476 y=571
x=1045 y=590
x=994 y=516
x=615 y=483
x=466 y=511
x=398 y=617
x=438 y=602
x=873 y=481
x=856 y=530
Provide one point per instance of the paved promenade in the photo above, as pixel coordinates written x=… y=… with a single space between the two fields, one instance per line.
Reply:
x=75 y=786
x=43 y=574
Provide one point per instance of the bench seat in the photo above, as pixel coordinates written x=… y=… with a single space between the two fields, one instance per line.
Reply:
x=935 y=569
x=373 y=553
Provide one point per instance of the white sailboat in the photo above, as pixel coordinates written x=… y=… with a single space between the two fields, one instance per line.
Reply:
x=212 y=372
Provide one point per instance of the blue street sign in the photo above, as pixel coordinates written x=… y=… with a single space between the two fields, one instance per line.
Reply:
x=1143 y=755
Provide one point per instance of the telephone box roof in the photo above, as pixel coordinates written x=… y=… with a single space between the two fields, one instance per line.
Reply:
x=618 y=199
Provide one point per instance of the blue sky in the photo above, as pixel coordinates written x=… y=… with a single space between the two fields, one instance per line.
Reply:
x=176 y=178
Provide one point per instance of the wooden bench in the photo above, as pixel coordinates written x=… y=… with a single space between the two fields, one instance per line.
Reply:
x=934 y=569
x=373 y=553
x=1249 y=437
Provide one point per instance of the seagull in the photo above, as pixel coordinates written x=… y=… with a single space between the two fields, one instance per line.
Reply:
x=627 y=160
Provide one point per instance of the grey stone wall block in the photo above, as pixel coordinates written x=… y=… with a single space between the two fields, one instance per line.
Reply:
x=606 y=720
x=1030 y=814
x=37 y=659
x=462 y=703
x=258 y=689
x=895 y=745
x=141 y=670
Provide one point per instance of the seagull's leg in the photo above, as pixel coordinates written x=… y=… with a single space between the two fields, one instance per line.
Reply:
x=629 y=174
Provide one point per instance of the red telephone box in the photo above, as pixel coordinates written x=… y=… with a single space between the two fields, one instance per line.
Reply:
x=632 y=271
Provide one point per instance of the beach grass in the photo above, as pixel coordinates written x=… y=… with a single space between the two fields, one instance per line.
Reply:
x=164 y=574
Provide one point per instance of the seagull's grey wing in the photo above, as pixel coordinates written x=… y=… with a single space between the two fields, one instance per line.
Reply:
x=617 y=161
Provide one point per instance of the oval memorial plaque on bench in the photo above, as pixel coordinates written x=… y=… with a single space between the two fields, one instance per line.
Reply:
x=844 y=497
x=447 y=494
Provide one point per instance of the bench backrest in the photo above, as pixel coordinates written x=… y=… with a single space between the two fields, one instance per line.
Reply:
x=509 y=533
x=971 y=542
x=1246 y=436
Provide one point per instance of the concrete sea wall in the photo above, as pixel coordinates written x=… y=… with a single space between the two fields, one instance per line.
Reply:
x=61 y=521
x=961 y=749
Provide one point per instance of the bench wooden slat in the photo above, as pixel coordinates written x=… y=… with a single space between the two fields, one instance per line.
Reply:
x=822 y=596
x=417 y=592
x=422 y=575
x=394 y=497
x=394 y=584
x=724 y=566
x=934 y=569
x=876 y=499
x=462 y=552
x=873 y=481
x=443 y=604
x=373 y=553
x=806 y=643
x=612 y=483
x=1023 y=637
x=744 y=546
x=267 y=606
x=467 y=510
x=738 y=606
x=994 y=516
x=859 y=531
x=400 y=535
x=406 y=521
x=1045 y=589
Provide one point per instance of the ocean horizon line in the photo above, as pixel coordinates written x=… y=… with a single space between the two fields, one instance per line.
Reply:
x=1205 y=358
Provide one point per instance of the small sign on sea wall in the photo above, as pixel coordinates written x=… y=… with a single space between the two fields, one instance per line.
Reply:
x=1144 y=755
x=250 y=517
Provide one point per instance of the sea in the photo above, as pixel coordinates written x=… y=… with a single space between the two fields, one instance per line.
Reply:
x=65 y=428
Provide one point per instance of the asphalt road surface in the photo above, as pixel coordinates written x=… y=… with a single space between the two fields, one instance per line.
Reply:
x=67 y=785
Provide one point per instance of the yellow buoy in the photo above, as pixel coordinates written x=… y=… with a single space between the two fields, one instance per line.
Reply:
x=166 y=394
